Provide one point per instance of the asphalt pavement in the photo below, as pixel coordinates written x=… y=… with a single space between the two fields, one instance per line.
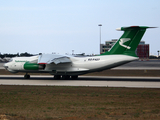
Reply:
x=96 y=81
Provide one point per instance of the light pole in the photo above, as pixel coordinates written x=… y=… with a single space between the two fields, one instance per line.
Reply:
x=100 y=35
x=72 y=52
x=158 y=54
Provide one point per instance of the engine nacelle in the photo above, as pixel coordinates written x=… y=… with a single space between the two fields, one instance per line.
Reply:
x=33 y=66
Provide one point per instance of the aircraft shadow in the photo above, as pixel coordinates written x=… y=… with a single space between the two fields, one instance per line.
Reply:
x=85 y=79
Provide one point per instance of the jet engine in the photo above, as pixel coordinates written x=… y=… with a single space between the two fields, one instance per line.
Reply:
x=34 y=66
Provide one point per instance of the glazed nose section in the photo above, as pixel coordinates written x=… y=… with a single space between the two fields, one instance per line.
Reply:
x=5 y=66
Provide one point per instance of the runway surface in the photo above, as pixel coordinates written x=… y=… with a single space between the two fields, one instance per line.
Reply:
x=97 y=81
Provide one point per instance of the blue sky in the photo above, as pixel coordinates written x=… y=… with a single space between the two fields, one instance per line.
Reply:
x=46 y=26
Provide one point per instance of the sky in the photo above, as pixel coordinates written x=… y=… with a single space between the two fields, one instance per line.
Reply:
x=61 y=26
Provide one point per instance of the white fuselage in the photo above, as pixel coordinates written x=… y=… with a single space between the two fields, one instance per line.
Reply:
x=78 y=66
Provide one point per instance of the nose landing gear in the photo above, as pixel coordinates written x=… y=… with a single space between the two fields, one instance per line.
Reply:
x=26 y=76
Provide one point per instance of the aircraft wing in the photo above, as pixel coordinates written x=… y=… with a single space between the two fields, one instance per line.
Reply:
x=53 y=58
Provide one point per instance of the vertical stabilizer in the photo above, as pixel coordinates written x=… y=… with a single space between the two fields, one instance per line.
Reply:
x=129 y=41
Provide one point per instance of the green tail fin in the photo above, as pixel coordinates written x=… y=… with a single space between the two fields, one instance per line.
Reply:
x=129 y=41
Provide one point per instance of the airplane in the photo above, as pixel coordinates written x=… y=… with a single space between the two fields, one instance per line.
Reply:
x=69 y=67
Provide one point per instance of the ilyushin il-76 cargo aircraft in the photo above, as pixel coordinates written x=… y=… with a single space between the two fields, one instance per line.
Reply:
x=66 y=67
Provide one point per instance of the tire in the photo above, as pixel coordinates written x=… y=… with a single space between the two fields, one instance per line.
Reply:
x=65 y=77
x=26 y=76
x=57 y=77
x=75 y=77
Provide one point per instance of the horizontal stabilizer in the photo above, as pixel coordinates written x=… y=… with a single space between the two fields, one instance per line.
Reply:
x=133 y=27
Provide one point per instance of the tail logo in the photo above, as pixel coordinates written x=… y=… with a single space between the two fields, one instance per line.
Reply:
x=122 y=41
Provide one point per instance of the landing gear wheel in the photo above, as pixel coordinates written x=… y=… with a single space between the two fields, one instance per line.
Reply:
x=57 y=77
x=74 y=77
x=65 y=77
x=26 y=76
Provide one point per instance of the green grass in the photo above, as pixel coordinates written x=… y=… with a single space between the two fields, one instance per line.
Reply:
x=78 y=103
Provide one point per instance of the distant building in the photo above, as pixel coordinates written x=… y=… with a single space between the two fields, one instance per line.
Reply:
x=142 y=50
x=108 y=44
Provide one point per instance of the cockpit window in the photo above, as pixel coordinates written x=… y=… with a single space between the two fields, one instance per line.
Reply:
x=10 y=60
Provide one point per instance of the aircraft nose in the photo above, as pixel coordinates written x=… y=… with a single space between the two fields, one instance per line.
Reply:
x=5 y=66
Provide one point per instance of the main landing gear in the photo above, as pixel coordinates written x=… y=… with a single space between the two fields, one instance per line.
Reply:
x=74 y=77
x=65 y=77
x=26 y=76
x=57 y=77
